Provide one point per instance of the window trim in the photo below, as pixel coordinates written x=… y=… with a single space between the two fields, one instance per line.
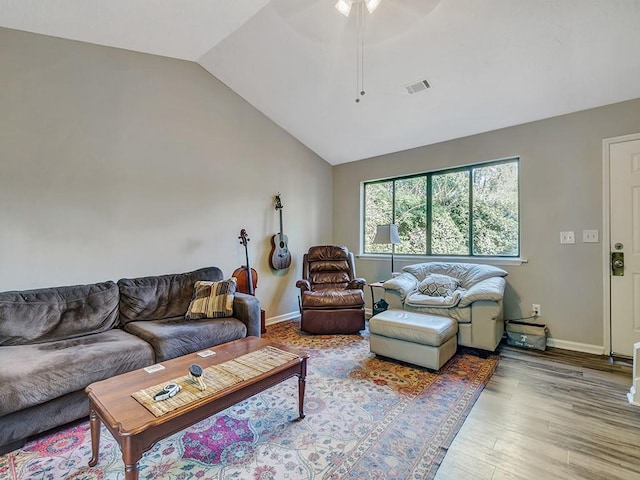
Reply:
x=404 y=258
x=516 y=258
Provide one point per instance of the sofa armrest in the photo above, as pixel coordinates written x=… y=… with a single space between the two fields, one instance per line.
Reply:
x=246 y=308
x=392 y=297
x=489 y=289
x=487 y=324
x=303 y=285
x=403 y=285
x=357 y=284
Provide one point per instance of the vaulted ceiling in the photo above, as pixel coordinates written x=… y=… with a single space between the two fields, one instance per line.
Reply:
x=490 y=63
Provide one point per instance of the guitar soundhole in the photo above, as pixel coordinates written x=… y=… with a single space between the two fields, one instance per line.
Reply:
x=281 y=244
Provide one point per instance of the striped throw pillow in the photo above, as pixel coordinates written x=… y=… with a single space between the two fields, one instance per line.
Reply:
x=212 y=299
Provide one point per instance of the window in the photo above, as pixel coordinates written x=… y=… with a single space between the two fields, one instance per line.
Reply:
x=467 y=211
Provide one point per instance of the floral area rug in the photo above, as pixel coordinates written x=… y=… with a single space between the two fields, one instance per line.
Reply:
x=366 y=418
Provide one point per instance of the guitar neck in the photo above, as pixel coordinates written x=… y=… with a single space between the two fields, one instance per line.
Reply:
x=244 y=240
x=281 y=229
x=249 y=276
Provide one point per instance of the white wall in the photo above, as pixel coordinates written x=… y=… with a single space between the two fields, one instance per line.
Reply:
x=117 y=164
x=560 y=190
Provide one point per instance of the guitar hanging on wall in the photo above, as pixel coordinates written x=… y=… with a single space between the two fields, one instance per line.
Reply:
x=280 y=258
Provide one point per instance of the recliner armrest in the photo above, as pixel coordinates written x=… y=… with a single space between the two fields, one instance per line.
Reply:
x=303 y=285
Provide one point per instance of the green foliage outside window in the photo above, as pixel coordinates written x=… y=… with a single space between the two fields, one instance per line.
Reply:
x=411 y=215
x=450 y=217
x=469 y=211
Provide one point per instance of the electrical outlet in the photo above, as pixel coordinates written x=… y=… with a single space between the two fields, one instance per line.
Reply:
x=590 y=236
x=567 y=237
x=535 y=310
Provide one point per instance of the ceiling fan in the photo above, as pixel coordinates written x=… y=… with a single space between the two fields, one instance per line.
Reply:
x=344 y=6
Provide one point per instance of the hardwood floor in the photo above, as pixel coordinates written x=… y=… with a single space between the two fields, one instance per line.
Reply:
x=549 y=415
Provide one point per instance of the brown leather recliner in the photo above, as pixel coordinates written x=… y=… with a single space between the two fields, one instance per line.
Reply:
x=331 y=297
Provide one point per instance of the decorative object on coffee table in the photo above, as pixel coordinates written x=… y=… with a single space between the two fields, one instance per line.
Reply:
x=195 y=371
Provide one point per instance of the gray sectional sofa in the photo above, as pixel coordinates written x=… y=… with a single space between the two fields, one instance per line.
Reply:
x=56 y=341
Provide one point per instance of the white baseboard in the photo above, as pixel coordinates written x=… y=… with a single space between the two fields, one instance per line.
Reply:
x=575 y=346
x=281 y=318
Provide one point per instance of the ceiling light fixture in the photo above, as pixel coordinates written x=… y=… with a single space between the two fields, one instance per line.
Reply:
x=372 y=5
x=344 y=7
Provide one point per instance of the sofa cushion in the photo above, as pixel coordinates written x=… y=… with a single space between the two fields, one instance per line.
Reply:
x=403 y=284
x=51 y=314
x=413 y=327
x=468 y=273
x=212 y=299
x=417 y=299
x=459 y=314
x=436 y=285
x=489 y=289
x=328 y=267
x=34 y=374
x=162 y=296
x=333 y=299
x=174 y=337
x=325 y=280
x=330 y=253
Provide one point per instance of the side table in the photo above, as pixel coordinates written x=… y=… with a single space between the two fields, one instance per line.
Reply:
x=373 y=299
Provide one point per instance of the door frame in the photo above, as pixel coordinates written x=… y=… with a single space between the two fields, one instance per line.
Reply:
x=606 y=234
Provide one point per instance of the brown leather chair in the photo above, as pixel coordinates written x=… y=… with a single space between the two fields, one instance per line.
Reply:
x=331 y=297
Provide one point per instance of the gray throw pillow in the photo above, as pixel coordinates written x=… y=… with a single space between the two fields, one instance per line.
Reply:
x=436 y=285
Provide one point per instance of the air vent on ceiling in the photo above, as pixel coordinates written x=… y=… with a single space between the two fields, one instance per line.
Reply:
x=418 y=87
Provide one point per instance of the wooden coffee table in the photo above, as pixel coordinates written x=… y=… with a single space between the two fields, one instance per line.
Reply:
x=136 y=429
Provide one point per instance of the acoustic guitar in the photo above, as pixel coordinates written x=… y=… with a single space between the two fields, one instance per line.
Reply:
x=280 y=256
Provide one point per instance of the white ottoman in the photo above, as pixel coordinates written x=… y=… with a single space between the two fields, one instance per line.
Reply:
x=418 y=338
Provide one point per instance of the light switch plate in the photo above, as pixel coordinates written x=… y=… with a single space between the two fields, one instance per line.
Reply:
x=590 y=236
x=567 y=237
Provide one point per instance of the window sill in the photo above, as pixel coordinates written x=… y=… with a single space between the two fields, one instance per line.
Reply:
x=410 y=260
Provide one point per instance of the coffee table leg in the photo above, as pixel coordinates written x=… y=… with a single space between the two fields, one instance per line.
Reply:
x=131 y=454
x=131 y=471
x=94 y=422
x=301 y=385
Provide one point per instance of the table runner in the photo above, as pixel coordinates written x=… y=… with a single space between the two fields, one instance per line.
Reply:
x=216 y=377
